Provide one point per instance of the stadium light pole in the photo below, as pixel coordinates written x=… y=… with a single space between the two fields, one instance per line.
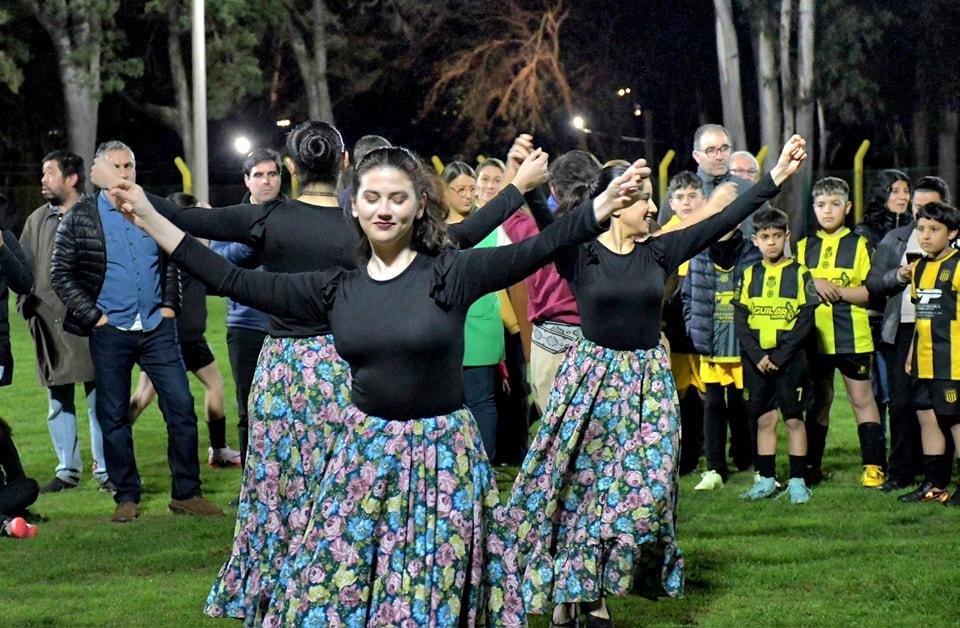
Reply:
x=201 y=184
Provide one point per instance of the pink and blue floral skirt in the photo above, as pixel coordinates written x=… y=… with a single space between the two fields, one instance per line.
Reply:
x=408 y=531
x=300 y=389
x=594 y=506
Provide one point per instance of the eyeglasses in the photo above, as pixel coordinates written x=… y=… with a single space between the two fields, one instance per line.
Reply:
x=713 y=151
x=467 y=190
x=744 y=173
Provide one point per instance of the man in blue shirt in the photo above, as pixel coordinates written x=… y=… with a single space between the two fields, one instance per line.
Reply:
x=119 y=289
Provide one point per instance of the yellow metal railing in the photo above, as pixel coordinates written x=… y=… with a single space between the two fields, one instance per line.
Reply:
x=858 y=180
x=185 y=174
x=662 y=174
x=761 y=157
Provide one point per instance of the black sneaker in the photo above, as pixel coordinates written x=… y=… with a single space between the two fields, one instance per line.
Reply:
x=893 y=485
x=56 y=485
x=814 y=476
x=926 y=492
x=954 y=499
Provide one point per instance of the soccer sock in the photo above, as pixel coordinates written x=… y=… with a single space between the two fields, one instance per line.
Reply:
x=936 y=470
x=797 y=466
x=816 y=442
x=871 y=443
x=218 y=432
x=766 y=465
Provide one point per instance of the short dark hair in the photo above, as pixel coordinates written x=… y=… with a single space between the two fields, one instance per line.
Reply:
x=182 y=199
x=933 y=184
x=684 y=179
x=771 y=218
x=366 y=144
x=260 y=155
x=69 y=163
x=831 y=186
x=942 y=213
x=707 y=128
x=455 y=169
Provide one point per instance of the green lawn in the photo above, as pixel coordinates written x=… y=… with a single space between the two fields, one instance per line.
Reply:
x=849 y=558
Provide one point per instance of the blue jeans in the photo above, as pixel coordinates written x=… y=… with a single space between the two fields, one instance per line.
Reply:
x=479 y=393
x=62 y=423
x=114 y=353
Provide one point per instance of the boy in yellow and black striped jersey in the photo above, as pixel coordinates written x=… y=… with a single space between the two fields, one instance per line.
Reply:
x=774 y=311
x=839 y=261
x=934 y=361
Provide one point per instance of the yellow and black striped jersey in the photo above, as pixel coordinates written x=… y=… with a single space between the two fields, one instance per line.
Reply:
x=773 y=295
x=843 y=258
x=936 y=340
x=725 y=345
x=670 y=225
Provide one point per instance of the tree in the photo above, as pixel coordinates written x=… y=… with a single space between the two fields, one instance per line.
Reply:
x=13 y=53
x=512 y=79
x=234 y=29
x=728 y=57
x=86 y=45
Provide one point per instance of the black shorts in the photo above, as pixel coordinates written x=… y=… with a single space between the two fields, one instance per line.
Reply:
x=785 y=389
x=858 y=366
x=196 y=354
x=940 y=395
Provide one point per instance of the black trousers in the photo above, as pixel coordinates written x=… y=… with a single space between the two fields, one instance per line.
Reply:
x=906 y=453
x=723 y=406
x=17 y=496
x=244 y=347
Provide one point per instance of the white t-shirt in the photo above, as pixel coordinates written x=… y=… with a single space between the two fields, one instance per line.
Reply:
x=908 y=311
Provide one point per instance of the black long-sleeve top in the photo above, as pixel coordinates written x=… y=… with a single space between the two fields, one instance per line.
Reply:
x=292 y=237
x=10 y=468
x=15 y=273
x=619 y=296
x=403 y=337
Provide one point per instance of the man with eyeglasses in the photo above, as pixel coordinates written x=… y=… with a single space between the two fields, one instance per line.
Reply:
x=744 y=165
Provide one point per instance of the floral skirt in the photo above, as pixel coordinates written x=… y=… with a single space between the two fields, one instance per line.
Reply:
x=594 y=505
x=300 y=389
x=407 y=532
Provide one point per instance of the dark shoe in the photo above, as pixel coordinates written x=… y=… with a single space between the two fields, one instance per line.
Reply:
x=194 y=506
x=954 y=499
x=598 y=622
x=56 y=485
x=893 y=485
x=125 y=512
x=926 y=492
x=814 y=476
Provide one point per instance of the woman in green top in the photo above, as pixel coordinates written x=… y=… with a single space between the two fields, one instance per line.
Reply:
x=483 y=331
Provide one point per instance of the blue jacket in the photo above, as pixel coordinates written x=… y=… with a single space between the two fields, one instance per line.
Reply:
x=239 y=315
x=699 y=287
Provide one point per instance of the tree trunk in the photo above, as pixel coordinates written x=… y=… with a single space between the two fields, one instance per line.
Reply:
x=822 y=137
x=728 y=57
x=806 y=110
x=947 y=141
x=770 y=119
x=79 y=73
x=310 y=51
x=181 y=87
x=921 y=126
x=786 y=76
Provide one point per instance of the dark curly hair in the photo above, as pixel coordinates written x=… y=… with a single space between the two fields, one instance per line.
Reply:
x=430 y=229
x=317 y=150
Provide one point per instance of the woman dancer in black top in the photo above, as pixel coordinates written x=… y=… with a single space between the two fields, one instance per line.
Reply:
x=408 y=525
x=301 y=385
x=593 y=506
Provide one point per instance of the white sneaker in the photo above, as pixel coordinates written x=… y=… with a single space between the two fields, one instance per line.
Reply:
x=223 y=457
x=709 y=481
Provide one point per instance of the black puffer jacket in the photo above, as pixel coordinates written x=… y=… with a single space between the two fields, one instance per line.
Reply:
x=80 y=263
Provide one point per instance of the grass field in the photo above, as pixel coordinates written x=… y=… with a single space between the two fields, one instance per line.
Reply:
x=849 y=558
